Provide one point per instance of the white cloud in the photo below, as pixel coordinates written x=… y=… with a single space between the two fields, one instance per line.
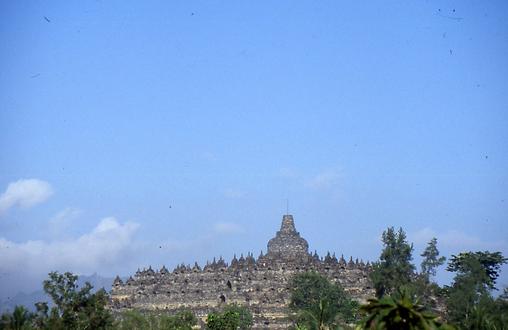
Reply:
x=62 y=220
x=234 y=193
x=423 y=235
x=25 y=193
x=228 y=228
x=456 y=240
x=106 y=245
x=324 y=180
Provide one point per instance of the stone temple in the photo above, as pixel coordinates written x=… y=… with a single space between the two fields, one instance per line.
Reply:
x=261 y=285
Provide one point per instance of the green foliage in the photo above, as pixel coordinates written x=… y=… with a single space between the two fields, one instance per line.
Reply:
x=394 y=270
x=428 y=293
x=233 y=317
x=484 y=266
x=40 y=318
x=469 y=302
x=487 y=314
x=499 y=311
x=183 y=320
x=431 y=260
x=75 y=308
x=397 y=313
x=134 y=320
x=318 y=303
x=422 y=286
x=20 y=319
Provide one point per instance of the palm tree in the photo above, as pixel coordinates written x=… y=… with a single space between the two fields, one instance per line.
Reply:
x=314 y=319
x=403 y=314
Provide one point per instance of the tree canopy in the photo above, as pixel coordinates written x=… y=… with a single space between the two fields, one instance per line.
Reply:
x=74 y=308
x=469 y=300
x=134 y=320
x=233 y=317
x=317 y=302
x=484 y=266
x=431 y=259
x=394 y=269
x=401 y=313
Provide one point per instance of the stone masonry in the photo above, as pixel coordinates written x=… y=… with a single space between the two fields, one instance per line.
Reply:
x=261 y=285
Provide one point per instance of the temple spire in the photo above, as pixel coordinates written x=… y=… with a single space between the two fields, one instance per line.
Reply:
x=288 y=224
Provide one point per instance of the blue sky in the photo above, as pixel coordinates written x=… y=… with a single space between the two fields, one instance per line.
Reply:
x=158 y=132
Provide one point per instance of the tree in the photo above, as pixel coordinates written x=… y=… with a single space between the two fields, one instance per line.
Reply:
x=422 y=286
x=183 y=320
x=233 y=317
x=469 y=301
x=402 y=313
x=484 y=265
x=431 y=260
x=499 y=310
x=75 y=309
x=394 y=269
x=318 y=303
x=134 y=320
x=19 y=319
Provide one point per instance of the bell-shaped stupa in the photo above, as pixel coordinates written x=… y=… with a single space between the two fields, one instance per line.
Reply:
x=287 y=243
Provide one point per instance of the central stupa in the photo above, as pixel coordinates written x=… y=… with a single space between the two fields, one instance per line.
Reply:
x=287 y=243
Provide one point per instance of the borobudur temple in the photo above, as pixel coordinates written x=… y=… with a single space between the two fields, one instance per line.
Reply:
x=261 y=285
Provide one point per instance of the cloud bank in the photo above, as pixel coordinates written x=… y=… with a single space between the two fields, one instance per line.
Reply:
x=25 y=193
x=107 y=245
x=59 y=223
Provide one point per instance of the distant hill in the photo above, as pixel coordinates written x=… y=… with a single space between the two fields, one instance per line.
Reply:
x=29 y=299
